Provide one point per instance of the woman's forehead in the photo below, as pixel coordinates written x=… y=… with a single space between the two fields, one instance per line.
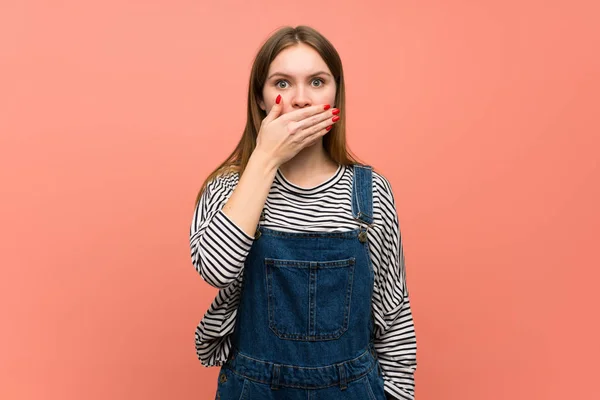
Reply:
x=299 y=60
x=298 y=56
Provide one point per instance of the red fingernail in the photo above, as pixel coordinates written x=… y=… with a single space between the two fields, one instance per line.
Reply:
x=335 y=111
x=335 y=118
x=327 y=107
x=278 y=99
x=329 y=127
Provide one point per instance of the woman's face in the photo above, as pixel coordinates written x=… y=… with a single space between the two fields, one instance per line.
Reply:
x=301 y=77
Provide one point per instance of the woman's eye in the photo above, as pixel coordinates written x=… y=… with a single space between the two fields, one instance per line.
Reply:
x=279 y=82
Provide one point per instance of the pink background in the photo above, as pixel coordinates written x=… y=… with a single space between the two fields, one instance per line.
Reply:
x=483 y=115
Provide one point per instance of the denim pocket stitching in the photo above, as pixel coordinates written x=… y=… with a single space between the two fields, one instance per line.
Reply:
x=243 y=395
x=270 y=263
x=231 y=374
x=369 y=387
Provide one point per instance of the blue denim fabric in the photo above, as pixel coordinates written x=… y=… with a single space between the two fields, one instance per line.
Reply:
x=304 y=328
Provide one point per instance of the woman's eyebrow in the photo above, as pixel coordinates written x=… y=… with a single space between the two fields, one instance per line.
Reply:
x=289 y=76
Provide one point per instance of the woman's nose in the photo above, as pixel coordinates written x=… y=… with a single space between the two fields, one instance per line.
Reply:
x=301 y=98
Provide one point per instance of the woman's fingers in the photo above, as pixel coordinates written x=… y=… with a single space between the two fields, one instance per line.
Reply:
x=303 y=113
x=317 y=128
x=312 y=139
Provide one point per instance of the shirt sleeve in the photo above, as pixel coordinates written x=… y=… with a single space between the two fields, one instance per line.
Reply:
x=218 y=250
x=395 y=339
x=218 y=246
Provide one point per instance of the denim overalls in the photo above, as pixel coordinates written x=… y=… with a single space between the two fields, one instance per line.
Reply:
x=304 y=328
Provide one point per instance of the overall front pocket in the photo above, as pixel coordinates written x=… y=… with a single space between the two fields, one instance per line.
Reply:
x=231 y=386
x=309 y=300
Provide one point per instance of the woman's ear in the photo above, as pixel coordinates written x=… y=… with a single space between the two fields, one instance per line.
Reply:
x=261 y=104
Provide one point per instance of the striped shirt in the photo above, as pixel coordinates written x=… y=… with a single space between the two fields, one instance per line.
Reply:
x=219 y=248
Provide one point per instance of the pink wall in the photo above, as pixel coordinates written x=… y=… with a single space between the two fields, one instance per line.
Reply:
x=483 y=115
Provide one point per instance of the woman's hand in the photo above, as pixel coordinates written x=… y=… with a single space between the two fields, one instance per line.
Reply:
x=281 y=137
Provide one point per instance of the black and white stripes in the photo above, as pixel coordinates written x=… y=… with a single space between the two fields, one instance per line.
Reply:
x=219 y=248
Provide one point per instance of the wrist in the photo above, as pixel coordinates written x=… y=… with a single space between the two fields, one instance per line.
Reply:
x=264 y=161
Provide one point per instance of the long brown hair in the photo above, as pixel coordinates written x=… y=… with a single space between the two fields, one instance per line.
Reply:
x=334 y=142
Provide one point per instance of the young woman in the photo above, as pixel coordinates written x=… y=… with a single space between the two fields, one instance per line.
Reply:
x=303 y=243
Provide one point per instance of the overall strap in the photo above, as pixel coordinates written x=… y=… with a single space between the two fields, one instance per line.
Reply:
x=362 y=193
